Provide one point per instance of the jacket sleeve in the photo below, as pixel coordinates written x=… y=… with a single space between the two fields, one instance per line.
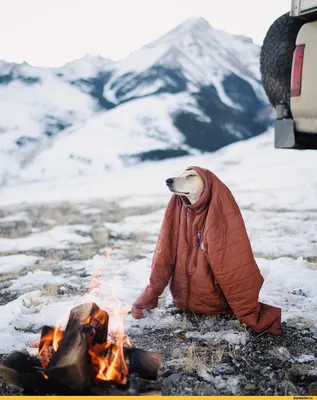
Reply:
x=164 y=258
x=233 y=264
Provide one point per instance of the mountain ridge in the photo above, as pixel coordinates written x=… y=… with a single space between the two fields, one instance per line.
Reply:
x=205 y=81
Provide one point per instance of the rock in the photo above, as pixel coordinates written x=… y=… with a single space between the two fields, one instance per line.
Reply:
x=302 y=374
x=203 y=373
x=209 y=391
x=224 y=368
x=250 y=387
x=281 y=353
x=100 y=235
x=299 y=292
x=312 y=388
x=174 y=378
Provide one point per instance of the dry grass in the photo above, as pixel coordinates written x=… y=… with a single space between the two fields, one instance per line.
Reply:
x=192 y=359
x=131 y=252
x=50 y=290
x=203 y=356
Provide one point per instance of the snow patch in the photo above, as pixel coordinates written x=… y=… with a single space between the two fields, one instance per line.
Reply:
x=57 y=238
x=16 y=262
x=216 y=337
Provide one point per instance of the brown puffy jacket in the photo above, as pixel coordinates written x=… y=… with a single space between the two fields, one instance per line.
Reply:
x=204 y=251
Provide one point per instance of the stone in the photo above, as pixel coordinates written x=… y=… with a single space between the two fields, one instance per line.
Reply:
x=174 y=378
x=312 y=388
x=250 y=387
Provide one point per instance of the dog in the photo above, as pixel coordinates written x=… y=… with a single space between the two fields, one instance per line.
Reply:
x=204 y=254
x=189 y=184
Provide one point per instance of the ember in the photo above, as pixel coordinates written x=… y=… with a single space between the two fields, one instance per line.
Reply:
x=84 y=359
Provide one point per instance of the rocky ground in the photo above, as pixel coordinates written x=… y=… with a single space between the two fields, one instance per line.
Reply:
x=201 y=355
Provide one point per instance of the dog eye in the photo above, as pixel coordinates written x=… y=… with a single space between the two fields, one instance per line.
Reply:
x=190 y=176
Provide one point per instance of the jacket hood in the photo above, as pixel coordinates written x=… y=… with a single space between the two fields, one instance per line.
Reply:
x=205 y=199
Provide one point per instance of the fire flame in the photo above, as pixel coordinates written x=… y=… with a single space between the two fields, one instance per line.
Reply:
x=57 y=338
x=107 y=358
x=94 y=283
x=49 y=344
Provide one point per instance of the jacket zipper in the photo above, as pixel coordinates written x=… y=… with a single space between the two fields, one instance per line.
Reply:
x=198 y=239
x=187 y=262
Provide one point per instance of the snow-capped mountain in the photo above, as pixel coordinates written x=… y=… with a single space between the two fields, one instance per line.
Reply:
x=194 y=89
x=35 y=105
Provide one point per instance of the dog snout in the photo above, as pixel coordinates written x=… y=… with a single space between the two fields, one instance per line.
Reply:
x=169 y=181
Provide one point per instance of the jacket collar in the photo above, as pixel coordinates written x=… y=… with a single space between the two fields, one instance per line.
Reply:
x=201 y=204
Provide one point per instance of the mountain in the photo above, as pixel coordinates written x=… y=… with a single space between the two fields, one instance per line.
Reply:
x=35 y=104
x=196 y=89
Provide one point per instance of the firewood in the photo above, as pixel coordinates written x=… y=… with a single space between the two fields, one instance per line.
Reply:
x=71 y=364
x=65 y=365
x=24 y=371
x=91 y=314
x=146 y=364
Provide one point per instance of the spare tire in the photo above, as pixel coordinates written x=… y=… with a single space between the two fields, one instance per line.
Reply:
x=276 y=58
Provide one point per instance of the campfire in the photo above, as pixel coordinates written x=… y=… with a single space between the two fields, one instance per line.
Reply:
x=83 y=359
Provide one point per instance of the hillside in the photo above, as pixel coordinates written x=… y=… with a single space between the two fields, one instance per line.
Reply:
x=194 y=89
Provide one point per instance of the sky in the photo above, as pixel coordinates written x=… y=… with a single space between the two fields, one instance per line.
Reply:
x=53 y=32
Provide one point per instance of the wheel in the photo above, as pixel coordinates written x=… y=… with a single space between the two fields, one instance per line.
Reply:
x=276 y=58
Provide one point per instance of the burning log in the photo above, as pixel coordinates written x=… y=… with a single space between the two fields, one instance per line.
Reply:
x=90 y=314
x=71 y=364
x=145 y=364
x=25 y=372
x=82 y=359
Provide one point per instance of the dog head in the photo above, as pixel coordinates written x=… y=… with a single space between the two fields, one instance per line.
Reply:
x=189 y=184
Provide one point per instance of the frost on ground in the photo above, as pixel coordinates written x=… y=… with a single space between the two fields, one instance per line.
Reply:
x=50 y=255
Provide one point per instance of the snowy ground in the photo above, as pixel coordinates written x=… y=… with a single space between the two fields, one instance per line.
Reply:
x=53 y=251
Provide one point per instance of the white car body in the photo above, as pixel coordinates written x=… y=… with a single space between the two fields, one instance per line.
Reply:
x=302 y=7
x=304 y=106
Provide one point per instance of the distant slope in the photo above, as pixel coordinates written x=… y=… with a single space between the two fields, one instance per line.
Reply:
x=260 y=177
x=212 y=96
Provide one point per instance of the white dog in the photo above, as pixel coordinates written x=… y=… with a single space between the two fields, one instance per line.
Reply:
x=189 y=184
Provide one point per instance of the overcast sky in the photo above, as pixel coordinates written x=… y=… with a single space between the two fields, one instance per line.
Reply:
x=53 y=32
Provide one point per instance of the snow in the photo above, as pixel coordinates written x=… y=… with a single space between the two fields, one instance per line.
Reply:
x=22 y=216
x=87 y=67
x=33 y=280
x=216 y=337
x=149 y=223
x=91 y=211
x=107 y=141
x=28 y=110
x=94 y=158
x=291 y=285
x=259 y=176
x=304 y=358
x=298 y=238
x=49 y=100
x=274 y=188
x=56 y=238
x=16 y=262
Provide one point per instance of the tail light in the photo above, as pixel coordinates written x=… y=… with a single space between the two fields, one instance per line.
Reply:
x=297 y=69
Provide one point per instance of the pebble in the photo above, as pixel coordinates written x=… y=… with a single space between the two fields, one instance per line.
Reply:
x=174 y=378
x=312 y=388
x=250 y=386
